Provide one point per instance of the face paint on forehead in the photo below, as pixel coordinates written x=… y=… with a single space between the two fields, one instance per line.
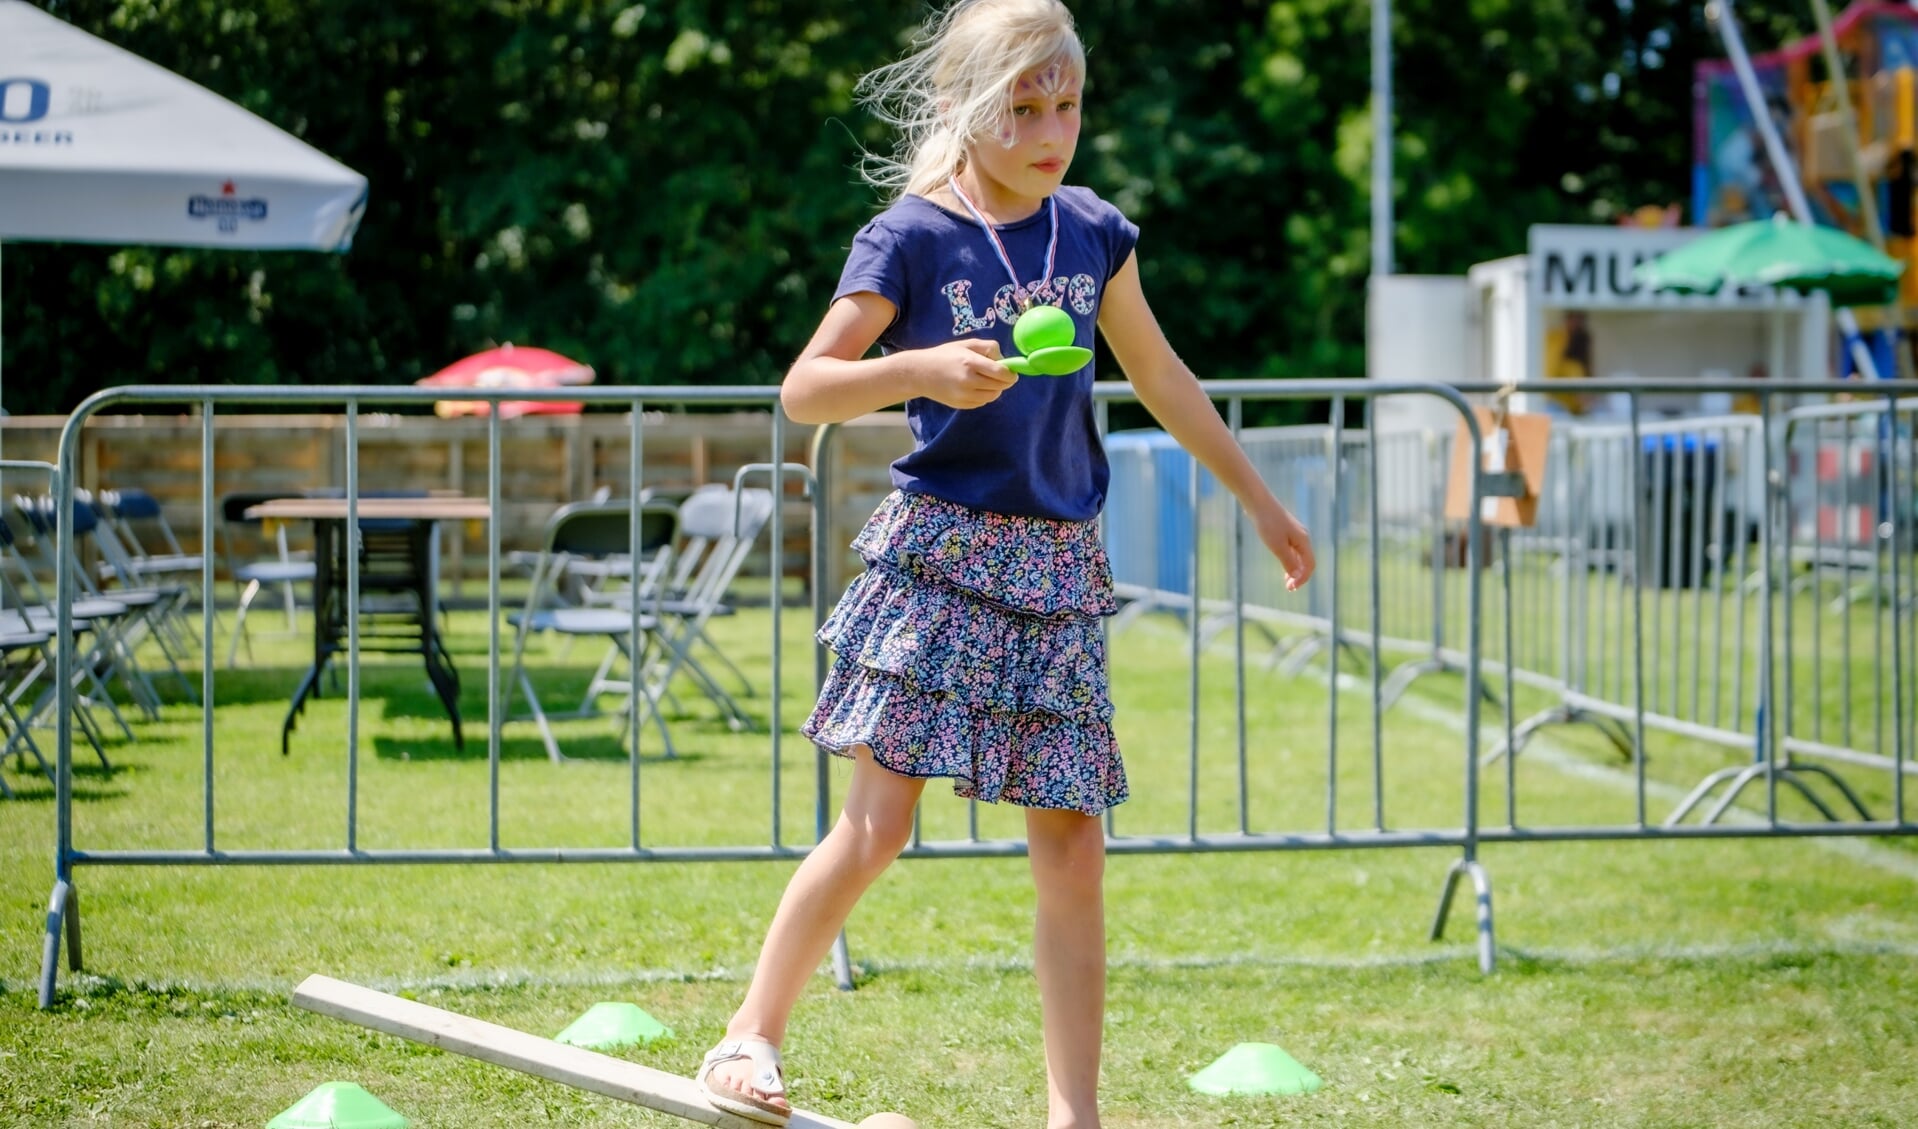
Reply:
x=1055 y=79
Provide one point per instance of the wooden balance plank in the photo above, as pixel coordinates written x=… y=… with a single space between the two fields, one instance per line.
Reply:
x=530 y=1054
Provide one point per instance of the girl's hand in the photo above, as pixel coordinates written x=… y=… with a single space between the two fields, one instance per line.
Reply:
x=1289 y=542
x=965 y=374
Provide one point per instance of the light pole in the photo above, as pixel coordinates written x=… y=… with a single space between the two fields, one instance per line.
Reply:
x=1381 y=137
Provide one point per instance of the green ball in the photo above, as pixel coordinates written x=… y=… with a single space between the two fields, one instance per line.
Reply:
x=1043 y=327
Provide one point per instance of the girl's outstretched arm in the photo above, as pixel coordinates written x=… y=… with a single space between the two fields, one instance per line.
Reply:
x=1172 y=394
x=833 y=380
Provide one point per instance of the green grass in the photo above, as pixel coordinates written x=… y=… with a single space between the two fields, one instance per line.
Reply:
x=1716 y=983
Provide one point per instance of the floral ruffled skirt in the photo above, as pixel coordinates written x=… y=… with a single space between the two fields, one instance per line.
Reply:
x=971 y=648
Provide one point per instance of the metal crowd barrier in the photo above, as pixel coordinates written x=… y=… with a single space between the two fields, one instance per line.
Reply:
x=1384 y=492
x=1712 y=583
x=1853 y=521
x=1723 y=582
x=1251 y=594
x=1640 y=525
x=1677 y=569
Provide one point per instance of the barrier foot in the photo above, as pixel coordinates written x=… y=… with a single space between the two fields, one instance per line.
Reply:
x=1609 y=728
x=1362 y=657
x=1837 y=782
x=1742 y=776
x=1698 y=794
x=1556 y=715
x=1292 y=657
x=63 y=914
x=1292 y=660
x=1787 y=776
x=1214 y=626
x=1870 y=590
x=1753 y=773
x=1402 y=677
x=1482 y=884
x=1622 y=739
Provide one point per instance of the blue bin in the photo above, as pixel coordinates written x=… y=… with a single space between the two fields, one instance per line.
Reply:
x=1149 y=510
x=1677 y=478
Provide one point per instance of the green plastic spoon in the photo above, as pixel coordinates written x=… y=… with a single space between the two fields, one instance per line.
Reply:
x=1044 y=334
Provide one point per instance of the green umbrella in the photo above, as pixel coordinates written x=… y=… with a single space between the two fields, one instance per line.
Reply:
x=1778 y=252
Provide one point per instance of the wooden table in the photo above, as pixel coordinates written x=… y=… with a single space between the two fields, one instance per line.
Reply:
x=398 y=550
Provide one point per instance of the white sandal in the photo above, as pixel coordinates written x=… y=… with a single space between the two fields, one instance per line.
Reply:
x=768 y=1078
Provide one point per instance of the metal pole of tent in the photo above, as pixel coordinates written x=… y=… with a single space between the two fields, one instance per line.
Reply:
x=1382 y=217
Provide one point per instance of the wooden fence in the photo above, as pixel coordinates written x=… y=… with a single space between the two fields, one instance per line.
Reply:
x=546 y=461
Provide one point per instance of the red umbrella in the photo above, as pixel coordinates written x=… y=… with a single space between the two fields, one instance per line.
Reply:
x=511 y=366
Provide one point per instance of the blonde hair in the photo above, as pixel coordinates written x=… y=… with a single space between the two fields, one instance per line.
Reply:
x=955 y=90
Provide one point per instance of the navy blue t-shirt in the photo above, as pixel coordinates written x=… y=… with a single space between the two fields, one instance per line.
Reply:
x=1034 y=451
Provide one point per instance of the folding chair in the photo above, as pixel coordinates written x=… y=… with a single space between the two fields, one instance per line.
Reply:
x=141 y=609
x=590 y=579
x=705 y=599
x=16 y=678
x=129 y=510
x=708 y=528
x=174 y=577
x=163 y=603
x=24 y=619
x=523 y=560
x=602 y=531
x=34 y=638
x=254 y=576
x=720 y=528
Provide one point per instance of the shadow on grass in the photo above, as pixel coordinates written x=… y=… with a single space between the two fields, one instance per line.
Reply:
x=576 y=744
x=31 y=786
x=45 y=794
x=252 y=686
x=397 y=689
x=163 y=1000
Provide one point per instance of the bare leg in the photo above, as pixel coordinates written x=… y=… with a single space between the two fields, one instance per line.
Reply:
x=873 y=828
x=1069 y=955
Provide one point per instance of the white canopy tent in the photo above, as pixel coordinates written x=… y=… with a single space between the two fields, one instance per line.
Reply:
x=97 y=145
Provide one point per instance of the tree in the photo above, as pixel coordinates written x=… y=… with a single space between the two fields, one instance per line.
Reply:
x=667 y=190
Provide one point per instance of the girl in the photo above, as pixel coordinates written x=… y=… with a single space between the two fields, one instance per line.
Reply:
x=971 y=648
